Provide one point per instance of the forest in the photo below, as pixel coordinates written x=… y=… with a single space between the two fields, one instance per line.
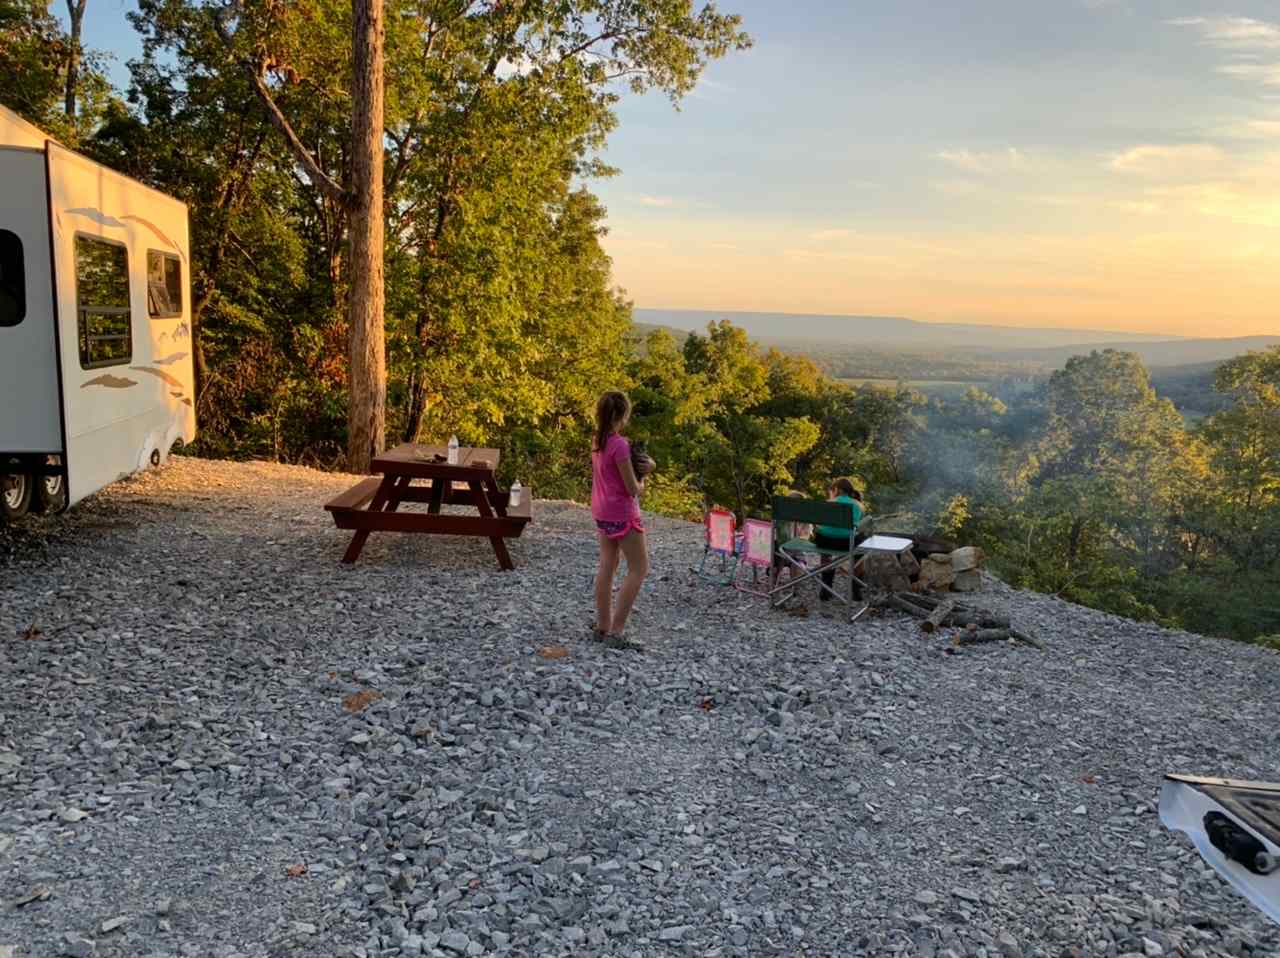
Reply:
x=502 y=323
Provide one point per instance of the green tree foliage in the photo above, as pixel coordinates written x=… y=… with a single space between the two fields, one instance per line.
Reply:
x=501 y=321
x=35 y=53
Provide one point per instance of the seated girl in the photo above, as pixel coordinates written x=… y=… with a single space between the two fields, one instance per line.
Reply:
x=835 y=538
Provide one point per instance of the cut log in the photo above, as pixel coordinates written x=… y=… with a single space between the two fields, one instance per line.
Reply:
x=982 y=636
x=1026 y=639
x=938 y=616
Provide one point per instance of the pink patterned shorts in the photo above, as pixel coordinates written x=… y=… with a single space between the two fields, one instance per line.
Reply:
x=620 y=529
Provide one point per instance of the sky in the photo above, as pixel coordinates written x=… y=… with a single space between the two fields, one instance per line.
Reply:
x=1109 y=164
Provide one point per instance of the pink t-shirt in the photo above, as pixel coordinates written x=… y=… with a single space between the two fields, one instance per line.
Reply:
x=610 y=500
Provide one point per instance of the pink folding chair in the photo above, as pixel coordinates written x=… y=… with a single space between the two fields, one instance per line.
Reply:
x=720 y=542
x=756 y=554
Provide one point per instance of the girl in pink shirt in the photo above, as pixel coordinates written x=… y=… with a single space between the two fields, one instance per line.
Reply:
x=615 y=505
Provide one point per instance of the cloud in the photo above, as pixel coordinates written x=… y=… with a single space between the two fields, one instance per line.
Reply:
x=1234 y=33
x=1251 y=129
x=1267 y=73
x=823 y=235
x=1246 y=40
x=657 y=201
x=1188 y=159
x=998 y=161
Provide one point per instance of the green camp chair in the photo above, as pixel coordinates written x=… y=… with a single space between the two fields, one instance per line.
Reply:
x=788 y=552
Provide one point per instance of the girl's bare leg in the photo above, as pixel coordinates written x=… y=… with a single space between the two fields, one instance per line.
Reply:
x=635 y=549
x=604 y=582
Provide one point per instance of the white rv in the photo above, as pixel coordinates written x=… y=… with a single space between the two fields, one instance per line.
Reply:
x=96 y=374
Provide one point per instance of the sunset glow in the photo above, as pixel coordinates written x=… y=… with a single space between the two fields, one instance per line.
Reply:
x=1102 y=164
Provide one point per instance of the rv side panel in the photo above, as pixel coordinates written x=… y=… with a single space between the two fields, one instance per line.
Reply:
x=123 y=277
x=29 y=418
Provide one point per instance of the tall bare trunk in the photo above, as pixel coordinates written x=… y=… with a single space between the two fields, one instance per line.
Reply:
x=75 y=14
x=366 y=413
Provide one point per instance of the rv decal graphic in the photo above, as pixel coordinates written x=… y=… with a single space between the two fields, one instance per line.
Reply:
x=170 y=359
x=99 y=217
x=102 y=219
x=155 y=229
x=182 y=332
x=161 y=374
x=111 y=382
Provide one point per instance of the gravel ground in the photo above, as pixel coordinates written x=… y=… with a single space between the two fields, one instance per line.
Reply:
x=184 y=771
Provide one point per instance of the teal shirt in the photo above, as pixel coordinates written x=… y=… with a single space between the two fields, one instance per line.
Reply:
x=835 y=532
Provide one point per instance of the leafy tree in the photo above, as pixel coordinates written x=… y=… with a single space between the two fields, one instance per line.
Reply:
x=43 y=71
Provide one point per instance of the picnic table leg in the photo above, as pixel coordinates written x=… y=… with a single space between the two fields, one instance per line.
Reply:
x=384 y=497
x=438 y=487
x=495 y=496
x=481 y=497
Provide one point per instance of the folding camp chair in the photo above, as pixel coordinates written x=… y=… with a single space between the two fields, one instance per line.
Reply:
x=756 y=554
x=720 y=542
x=789 y=553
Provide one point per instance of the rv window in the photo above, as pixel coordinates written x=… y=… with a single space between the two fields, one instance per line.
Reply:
x=13 y=281
x=164 y=285
x=105 y=324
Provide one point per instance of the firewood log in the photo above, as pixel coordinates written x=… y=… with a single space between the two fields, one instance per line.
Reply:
x=939 y=615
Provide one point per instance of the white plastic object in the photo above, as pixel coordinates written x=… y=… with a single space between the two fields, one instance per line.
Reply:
x=513 y=498
x=453 y=450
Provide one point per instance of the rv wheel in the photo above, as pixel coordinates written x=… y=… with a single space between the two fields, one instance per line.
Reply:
x=51 y=494
x=16 y=497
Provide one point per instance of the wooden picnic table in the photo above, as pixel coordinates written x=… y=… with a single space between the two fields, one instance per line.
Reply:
x=372 y=504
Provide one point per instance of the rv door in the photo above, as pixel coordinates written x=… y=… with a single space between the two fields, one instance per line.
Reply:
x=30 y=421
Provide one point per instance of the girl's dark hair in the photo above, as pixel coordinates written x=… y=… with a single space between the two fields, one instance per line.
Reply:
x=612 y=408
x=845 y=488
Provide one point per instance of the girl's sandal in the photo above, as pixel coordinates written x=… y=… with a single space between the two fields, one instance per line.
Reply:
x=615 y=641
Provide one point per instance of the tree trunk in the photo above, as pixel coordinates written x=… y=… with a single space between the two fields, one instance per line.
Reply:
x=75 y=14
x=366 y=413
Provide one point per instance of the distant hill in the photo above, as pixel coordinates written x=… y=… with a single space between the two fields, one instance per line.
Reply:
x=893 y=332
x=1180 y=352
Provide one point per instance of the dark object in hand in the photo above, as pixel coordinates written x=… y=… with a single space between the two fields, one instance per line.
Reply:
x=641 y=461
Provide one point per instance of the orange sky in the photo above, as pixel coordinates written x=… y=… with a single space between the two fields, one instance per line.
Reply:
x=1104 y=164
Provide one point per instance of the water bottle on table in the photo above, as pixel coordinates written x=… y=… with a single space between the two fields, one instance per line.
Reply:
x=513 y=498
x=453 y=450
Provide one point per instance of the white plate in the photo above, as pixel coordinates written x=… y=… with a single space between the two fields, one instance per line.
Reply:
x=885 y=544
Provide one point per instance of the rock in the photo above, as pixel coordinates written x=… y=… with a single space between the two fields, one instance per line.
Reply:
x=1008 y=945
x=111 y=924
x=455 y=941
x=967 y=581
x=927 y=898
x=675 y=933
x=72 y=815
x=936 y=575
x=966 y=559
x=1151 y=948
x=75 y=946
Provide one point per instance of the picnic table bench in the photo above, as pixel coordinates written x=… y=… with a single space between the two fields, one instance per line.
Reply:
x=372 y=504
